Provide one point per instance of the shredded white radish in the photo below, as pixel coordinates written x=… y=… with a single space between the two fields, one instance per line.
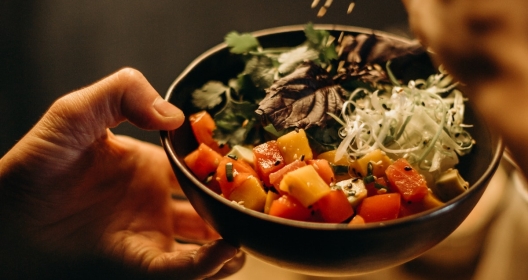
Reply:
x=422 y=122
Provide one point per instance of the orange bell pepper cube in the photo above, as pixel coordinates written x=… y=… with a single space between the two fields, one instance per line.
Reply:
x=323 y=168
x=203 y=125
x=228 y=169
x=381 y=207
x=203 y=161
x=288 y=207
x=334 y=207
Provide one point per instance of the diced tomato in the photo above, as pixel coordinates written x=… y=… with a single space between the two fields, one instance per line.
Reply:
x=203 y=161
x=203 y=126
x=268 y=159
x=226 y=179
x=213 y=184
x=288 y=207
x=277 y=176
x=379 y=186
x=406 y=180
x=381 y=207
x=334 y=207
x=323 y=168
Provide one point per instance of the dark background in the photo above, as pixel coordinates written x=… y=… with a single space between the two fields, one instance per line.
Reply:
x=51 y=47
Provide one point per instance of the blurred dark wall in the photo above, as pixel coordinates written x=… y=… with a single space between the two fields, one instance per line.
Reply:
x=51 y=47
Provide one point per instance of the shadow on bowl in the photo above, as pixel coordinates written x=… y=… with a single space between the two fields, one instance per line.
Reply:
x=316 y=248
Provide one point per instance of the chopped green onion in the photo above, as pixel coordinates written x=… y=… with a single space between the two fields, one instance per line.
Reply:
x=229 y=171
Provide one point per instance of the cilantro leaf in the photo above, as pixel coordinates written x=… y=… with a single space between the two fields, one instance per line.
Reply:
x=234 y=122
x=293 y=58
x=322 y=41
x=328 y=54
x=209 y=95
x=315 y=37
x=261 y=70
x=241 y=43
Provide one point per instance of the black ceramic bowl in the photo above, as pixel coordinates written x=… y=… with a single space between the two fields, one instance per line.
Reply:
x=315 y=248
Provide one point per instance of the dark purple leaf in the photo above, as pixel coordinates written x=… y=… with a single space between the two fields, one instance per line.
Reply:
x=302 y=99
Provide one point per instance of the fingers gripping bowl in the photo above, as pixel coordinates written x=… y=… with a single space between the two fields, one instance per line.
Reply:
x=310 y=247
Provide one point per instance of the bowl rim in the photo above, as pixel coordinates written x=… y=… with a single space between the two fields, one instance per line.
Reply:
x=415 y=218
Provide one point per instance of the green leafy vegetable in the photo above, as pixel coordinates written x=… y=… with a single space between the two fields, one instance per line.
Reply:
x=302 y=86
x=241 y=43
x=322 y=41
x=261 y=70
x=235 y=121
x=209 y=96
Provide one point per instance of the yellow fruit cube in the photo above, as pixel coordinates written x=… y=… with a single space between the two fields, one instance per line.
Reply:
x=270 y=197
x=250 y=194
x=430 y=201
x=295 y=146
x=305 y=185
x=330 y=157
x=379 y=160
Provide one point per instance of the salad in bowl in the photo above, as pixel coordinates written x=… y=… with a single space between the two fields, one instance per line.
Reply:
x=328 y=150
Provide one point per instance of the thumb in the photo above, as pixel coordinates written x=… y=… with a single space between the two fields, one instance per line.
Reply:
x=124 y=95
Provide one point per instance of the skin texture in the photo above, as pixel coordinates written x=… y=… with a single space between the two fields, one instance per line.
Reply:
x=484 y=44
x=77 y=200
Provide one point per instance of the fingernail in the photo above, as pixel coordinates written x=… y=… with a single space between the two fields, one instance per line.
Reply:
x=166 y=109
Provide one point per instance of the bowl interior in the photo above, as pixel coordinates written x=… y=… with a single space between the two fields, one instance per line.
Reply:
x=331 y=250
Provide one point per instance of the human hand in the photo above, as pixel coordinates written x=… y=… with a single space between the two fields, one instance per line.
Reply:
x=74 y=198
x=484 y=44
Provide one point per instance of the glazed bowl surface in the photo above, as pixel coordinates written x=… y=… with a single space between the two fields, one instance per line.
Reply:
x=316 y=248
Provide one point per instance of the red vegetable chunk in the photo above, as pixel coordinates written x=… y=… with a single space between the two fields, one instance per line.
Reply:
x=288 y=207
x=323 y=168
x=268 y=159
x=334 y=207
x=226 y=172
x=379 y=186
x=276 y=177
x=381 y=207
x=203 y=161
x=404 y=179
x=203 y=126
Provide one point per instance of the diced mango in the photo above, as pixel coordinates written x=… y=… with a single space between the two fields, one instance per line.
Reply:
x=380 y=161
x=305 y=185
x=430 y=201
x=249 y=193
x=330 y=157
x=294 y=145
x=270 y=197
x=450 y=184
x=357 y=220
